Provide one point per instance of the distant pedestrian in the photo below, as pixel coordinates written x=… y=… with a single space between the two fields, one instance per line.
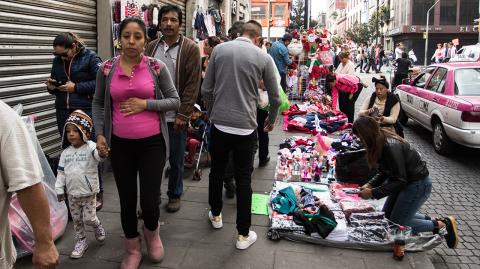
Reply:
x=399 y=50
x=412 y=56
x=235 y=131
x=438 y=56
x=403 y=66
x=279 y=53
x=78 y=176
x=346 y=66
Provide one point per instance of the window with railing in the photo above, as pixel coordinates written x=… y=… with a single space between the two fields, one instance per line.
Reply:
x=419 y=13
x=259 y=12
x=448 y=12
x=468 y=11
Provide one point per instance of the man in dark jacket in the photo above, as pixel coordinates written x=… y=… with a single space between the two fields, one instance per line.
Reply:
x=182 y=58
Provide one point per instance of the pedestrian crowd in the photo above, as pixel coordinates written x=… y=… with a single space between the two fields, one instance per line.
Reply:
x=145 y=107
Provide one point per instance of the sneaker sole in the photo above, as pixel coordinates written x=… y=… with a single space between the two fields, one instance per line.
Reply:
x=244 y=247
x=453 y=221
x=78 y=256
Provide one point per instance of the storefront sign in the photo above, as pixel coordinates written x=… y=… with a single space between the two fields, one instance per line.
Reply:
x=394 y=31
x=234 y=7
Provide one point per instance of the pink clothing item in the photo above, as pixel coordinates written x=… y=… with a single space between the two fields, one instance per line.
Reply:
x=344 y=83
x=139 y=84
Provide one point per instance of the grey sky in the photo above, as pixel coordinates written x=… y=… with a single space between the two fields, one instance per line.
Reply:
x=319 y=6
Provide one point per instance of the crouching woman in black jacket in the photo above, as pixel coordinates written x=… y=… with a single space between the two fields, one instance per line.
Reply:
x=403 y=177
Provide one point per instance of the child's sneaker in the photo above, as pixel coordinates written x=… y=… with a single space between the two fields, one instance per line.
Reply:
x=99 y=233
x=244 y=242
x=80 y=248
x=216 y=221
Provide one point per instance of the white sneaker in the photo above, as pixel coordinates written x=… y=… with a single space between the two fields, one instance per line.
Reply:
x=244 y=242
x=80 y=248
x=216 y=221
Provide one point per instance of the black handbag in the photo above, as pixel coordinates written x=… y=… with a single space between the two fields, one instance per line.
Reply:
x=352 y=167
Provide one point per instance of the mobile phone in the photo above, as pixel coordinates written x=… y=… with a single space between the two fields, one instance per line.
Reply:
x=375 y=113
x=59 y=83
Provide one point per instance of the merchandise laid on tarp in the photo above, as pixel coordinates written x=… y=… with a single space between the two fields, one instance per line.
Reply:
x=22 y=231
x=314 y=117
x=310 y=203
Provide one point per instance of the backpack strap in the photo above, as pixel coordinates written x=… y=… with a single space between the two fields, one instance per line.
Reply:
x=107 y=66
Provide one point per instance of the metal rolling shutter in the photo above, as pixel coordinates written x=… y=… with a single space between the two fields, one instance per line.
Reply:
x=182 y=5
x=27 y=29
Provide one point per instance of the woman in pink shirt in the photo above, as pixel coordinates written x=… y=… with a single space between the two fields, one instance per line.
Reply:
x=346 y=88
x=132 y=95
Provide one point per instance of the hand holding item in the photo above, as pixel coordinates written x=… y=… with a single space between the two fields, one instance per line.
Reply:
x=366 y=193
x=366 y=186
x=103 y=153
x=133 y=106
x=67 y=87
x=51 y=84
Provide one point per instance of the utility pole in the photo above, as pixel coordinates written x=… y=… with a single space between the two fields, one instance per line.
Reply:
x=268 y=20
x=306 y=17
x=377 y=22
x=426 y=34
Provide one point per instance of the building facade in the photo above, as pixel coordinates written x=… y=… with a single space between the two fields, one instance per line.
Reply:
x=279 y=16
x=449 y=19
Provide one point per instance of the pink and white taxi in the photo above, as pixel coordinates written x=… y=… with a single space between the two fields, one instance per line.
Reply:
x=445 y=99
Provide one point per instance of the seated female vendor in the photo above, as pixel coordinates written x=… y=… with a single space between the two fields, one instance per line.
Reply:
x=383 y=106
x=403 y=177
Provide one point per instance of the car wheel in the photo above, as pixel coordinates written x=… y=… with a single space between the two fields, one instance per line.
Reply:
x=441 y=142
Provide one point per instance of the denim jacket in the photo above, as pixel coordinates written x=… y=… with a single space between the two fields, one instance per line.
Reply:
x=279 y=53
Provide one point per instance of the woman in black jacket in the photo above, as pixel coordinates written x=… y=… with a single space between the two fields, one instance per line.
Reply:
x=403 y=177
x=72 y=81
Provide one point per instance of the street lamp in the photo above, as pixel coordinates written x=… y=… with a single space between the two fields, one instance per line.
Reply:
x=426 y=34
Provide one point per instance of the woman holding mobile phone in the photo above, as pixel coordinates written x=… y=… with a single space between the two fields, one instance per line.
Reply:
x=72 y=81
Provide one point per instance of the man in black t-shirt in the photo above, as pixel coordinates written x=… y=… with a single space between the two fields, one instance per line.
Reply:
x=402 y=66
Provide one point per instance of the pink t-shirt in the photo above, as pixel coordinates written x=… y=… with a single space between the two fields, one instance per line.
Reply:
x=139 y=84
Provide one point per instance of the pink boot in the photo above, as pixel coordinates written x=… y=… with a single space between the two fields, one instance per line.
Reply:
x=133 y=253
x=154 y=244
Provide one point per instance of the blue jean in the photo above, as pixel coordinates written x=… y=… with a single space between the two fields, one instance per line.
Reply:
x=402 y=207
x=178 y=142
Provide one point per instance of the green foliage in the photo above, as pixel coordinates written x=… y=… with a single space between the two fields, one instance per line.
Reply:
x=296 y=15
x=359 y=33
x=337 y=40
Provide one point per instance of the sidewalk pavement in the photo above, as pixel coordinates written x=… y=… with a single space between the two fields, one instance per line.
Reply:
x=191 y=242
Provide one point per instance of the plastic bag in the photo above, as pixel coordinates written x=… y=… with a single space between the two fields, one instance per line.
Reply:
x=20 y=226
x=285 y=104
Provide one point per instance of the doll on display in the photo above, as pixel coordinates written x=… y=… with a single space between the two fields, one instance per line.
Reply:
x=296 y=173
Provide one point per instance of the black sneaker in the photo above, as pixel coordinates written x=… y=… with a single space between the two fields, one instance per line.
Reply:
x=452 y=236
x=263 y=163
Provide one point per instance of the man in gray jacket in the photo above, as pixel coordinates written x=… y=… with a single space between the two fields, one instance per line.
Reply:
x=230 y=93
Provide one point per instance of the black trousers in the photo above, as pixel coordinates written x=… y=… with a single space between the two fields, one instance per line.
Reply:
x=359 y=64
x=283 y=81
x=397 y=80
x=347 y=105
x=263 y=139
x=371 y=63
x=146 y=157
x=243 y=148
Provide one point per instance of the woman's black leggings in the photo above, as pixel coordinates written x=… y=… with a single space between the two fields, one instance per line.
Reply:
x=347 y=105
x=145 y=157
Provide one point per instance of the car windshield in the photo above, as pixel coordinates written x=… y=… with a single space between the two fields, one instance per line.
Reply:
x=467 y=81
